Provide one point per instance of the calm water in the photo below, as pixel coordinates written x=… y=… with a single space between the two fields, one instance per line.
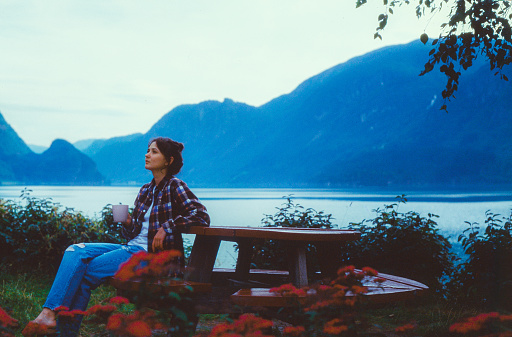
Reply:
x=246 y=207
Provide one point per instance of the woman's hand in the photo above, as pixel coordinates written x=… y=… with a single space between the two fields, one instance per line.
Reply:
x=158 y=240
x=128 y=222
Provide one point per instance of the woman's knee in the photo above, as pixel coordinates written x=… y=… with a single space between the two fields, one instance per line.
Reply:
x=74 y=247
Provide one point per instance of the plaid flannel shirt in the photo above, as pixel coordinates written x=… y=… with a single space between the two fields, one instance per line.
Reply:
x=175 y=209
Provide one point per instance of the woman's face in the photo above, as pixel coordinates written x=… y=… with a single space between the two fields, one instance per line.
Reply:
x=155 y=160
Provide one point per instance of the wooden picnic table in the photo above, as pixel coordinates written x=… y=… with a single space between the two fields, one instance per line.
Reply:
x=328 y=243
x=227 y=297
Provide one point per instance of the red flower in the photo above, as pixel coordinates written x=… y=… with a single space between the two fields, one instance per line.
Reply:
x=359 y=290
x=405 y=328
x=335 y=327
x=139 y=329
x=115 y=322
x=245 y=325
x=474 y=323
x=294 y=331
x=35 y=329
x=61 y=308
x=346 y=269
x=6 y=320
x=370 y=271
x=101 y=309
x=66 y=314
x=119 y=300
x=288 y=290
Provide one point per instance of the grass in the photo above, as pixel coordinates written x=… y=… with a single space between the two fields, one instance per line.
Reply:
x=23 y=293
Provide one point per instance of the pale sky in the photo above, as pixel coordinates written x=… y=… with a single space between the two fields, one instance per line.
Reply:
x=76 y=69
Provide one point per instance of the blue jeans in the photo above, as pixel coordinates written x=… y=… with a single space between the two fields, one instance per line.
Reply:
x=83 y=268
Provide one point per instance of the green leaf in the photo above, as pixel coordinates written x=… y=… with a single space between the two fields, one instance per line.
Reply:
x=424 y=38
x=179 y=314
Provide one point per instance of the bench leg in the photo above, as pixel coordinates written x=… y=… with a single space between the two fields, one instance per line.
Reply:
x=243 y=262
x=202 y=258
x=297 y=264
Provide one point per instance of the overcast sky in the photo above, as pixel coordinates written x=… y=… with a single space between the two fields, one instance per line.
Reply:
x=76 y=69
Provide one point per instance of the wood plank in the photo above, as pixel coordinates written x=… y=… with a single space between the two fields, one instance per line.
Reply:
x=393 y=289
x=297 y=234
x=262 y=297
x=277 y=233
x=163 y=285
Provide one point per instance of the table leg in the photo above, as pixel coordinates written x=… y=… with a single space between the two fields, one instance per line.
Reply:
x=202 y=258
x=243 y=262
x=297 y=264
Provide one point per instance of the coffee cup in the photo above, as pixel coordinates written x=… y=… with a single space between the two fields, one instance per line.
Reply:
x=120 y=213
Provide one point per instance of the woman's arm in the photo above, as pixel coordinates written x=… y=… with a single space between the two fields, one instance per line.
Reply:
x=187 y=209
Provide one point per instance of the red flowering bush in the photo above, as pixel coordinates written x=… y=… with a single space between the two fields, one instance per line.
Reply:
x=152 y=273
x=151 y=267
x=7 y=323
x=488 y=324
x=247 y=325
x=333 y=308
x=409 y=327
x=137 y=324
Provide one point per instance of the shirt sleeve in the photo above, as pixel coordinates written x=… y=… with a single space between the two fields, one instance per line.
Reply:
x=130 y=231
x=187 y=209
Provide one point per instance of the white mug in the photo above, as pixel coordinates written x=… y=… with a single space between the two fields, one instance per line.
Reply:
x=120 y=213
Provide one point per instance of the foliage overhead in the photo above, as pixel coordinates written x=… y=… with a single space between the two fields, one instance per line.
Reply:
x=473 y=27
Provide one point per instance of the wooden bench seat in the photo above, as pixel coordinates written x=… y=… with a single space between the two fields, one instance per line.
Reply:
x=263 y=277
x=393 y=289
x=163 y=285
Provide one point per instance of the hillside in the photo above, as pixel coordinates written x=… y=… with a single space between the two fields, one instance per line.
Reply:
x=371 y=121
x=61 y=164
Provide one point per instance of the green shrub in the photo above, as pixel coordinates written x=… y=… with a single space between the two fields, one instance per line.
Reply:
x=485 y=278
x=37 y=233
x=269 y=254
x=403 y=244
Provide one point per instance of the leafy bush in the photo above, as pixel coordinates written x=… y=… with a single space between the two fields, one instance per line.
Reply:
x=269 y=254
x=403 y=244
x=485 y=278
x=37 y=233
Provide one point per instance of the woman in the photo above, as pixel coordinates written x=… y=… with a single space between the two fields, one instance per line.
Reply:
x=173 y=208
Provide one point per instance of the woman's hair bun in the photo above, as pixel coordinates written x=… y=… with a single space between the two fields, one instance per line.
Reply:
x=180 y=146
x=170 y=148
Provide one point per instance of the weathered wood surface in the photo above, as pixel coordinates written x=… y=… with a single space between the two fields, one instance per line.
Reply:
x=277 y=233
x=295 y=240
x=393 y=289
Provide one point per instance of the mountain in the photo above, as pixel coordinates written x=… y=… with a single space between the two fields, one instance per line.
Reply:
x=371 y=121
x=37 y=148
x=61 y=164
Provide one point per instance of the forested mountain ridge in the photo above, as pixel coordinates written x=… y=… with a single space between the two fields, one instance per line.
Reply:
x=370 y=121
x=61 y=164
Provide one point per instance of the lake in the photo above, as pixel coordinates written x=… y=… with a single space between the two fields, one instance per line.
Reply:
x=246 y=207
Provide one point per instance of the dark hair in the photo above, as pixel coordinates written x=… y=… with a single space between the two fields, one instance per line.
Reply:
x=170 y=148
